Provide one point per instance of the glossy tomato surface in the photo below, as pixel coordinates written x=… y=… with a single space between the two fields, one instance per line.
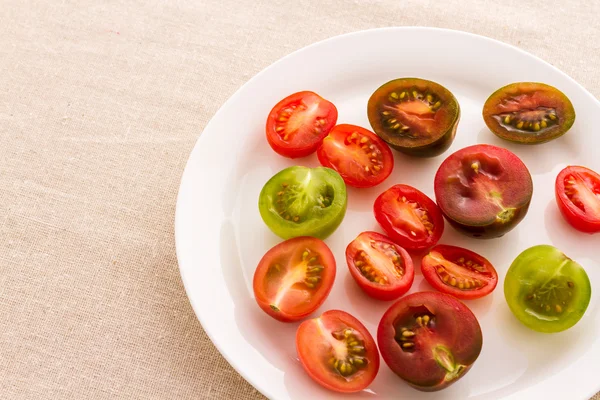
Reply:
x=294 y=278
x=409 y=217
x=415 y=116
x=381 y=268
x=577 y=191
x=546 y=290
x=460 y=272
x=338 y=352
x=528 y=112
x=429 y=339
x=483 y=190
x=357 y=154
x=301 y=201
x=297 y=124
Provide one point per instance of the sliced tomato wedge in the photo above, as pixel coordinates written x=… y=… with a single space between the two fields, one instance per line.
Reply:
x=459 y=272
x=338 y=352
x=294 y=278
x=381 y=268
x=577 y=192
x=409 y=217
x=357 y=154
x=297 y=124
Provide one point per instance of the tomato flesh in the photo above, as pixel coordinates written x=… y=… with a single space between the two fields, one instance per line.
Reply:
x=382 y=269
x=357 y=154
x=338 y=352
x=409 y=217
x=528 y=112
x=483 y=190
x=294 y=278
x=301 y=201
x=577 y=191
x=459 y=272
x=546 y=290
x=429 y=339
x=297 y=124
x=415 y=116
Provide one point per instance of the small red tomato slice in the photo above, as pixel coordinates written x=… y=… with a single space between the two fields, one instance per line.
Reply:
x=429 y=339
x=294 y=278
x=577 y=192
x=381 y=268
x=409 y=217
x=459 y=272
x=357 y=154
x=297 y=124
x=338 y=352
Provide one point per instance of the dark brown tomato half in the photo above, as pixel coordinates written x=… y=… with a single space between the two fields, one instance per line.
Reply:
x=429 y=339
x=382 y=269
x=460 y=272
x=484 y=191
x=338 y=352
x=528 y=112
x=415 y=116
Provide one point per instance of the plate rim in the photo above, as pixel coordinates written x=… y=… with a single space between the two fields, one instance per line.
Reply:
x=178 y=207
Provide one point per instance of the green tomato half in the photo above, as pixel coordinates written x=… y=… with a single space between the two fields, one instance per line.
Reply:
x=546 y=290
x=301 y=201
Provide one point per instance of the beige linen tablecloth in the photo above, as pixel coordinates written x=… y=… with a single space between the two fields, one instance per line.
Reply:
x=100 y=106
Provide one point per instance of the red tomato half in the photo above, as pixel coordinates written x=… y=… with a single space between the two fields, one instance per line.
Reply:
x=357 y=154
x=578 y=197
x=459 y=272
x=338 y=352
x=409 y=217
x=297 y=124
x=294 y=278
x=381 y=268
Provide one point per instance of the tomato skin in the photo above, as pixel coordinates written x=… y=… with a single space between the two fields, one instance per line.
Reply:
x=389 y=204
x=302 y=143
x=342 y=150
x=429 y=266
x=451 y=328
x=398 y=286
x=288 y=255
x=310 y=351
x=579 y=219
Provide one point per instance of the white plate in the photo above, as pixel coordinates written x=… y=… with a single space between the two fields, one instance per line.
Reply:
x=220 y=236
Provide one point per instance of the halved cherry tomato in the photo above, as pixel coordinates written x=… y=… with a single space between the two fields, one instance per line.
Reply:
x=297 y=124
x=415 y=116
x=459 y=272
x=484 y=191
x=546 y=290
x=381 y=268
x=302 y=201
x=338 y=352
x=528 y=112
x=294 y=278
x=357 y=154
x=429 y=339
x=409 y=217
x=577 y=192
